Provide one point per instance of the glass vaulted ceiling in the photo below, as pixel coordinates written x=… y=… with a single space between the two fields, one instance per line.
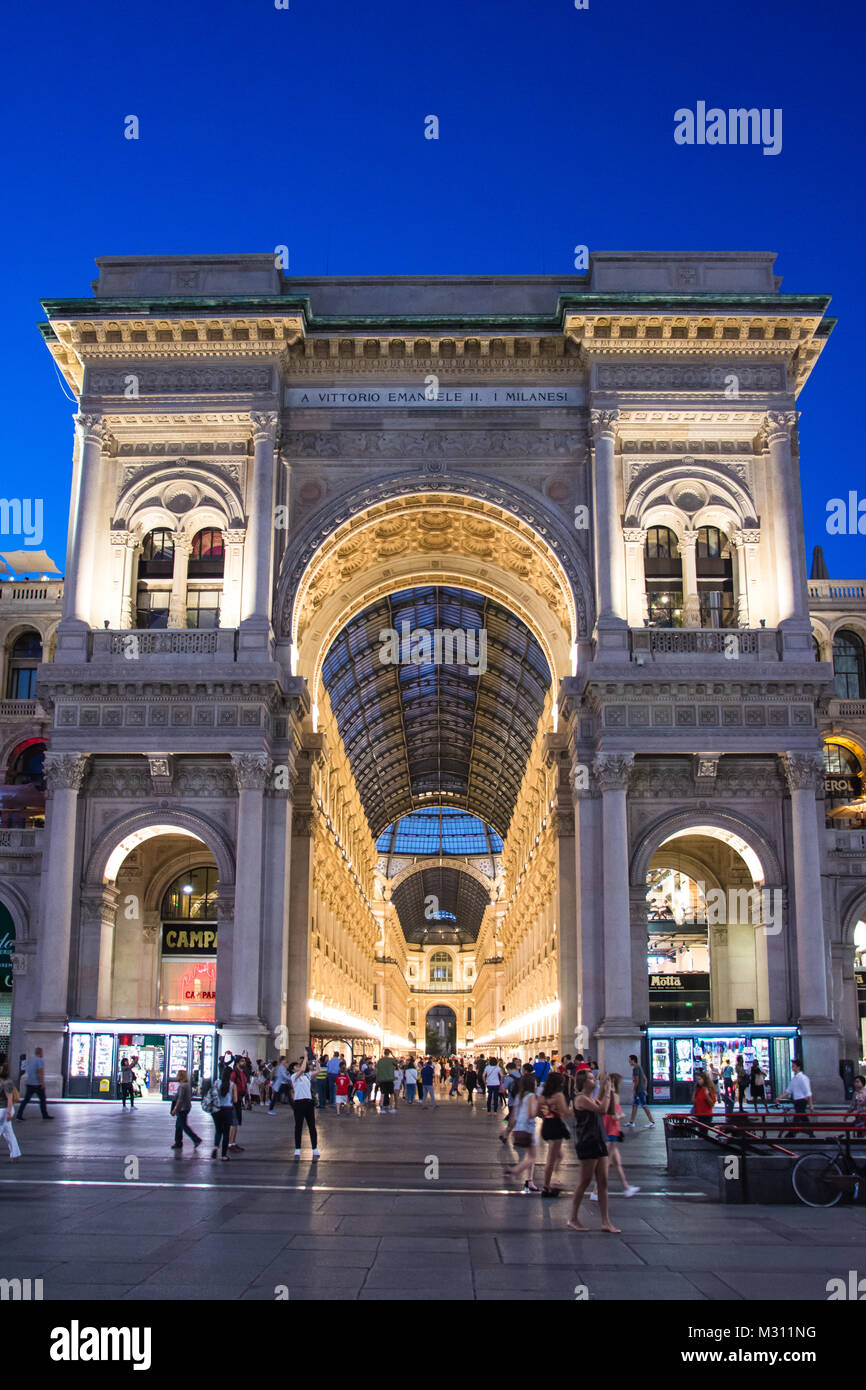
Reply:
x=425 y=735
x=460 y=902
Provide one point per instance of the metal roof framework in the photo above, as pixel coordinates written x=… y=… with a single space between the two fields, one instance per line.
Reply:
x=431 y=734
x=452 y=892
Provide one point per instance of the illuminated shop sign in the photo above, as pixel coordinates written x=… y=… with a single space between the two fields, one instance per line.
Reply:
x=186 y=941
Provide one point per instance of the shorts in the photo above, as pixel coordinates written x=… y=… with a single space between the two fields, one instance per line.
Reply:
x=340 y=1100
x=757 y=1092
x=640 y=1098
x=237 y=1113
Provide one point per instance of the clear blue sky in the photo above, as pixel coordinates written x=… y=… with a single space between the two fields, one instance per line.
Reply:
x=262 y=126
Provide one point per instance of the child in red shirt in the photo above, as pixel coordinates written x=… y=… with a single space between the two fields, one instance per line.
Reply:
x=341 y=1088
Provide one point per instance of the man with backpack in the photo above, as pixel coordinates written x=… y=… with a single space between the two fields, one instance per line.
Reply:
x=541 y=1069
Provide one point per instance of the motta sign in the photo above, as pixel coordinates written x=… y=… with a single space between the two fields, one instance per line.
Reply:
x=686 y=980
x=184 y=941
x=429 y=396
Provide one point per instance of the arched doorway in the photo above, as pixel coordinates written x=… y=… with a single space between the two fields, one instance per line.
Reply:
x=441 y=1031
x=150 y=911
x=710 y=919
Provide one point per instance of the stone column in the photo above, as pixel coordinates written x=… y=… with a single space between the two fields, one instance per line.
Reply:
x=179 y=574
x=276 y=902
x=618 y=1034
x=85 y=541
x=64 y=775
x=230 y=604
x=691 y=601
x=300 y=911
x=93 y=977
x=225 y=911
x=804 y=773
x=787 y=519
x=635 y=552
x=258 y=550
x=148 y=980
x=738 y=545
x=609 y=553
x=123 y=548
x=252 y=771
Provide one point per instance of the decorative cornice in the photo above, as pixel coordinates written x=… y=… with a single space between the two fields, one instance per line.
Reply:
x=264 y=426
x=65 y=771
x=93 y=428
x=508 y=443
x=778 y=426
x=603 y=424
x=613 y=770
x=803 y=771
x=252 y=771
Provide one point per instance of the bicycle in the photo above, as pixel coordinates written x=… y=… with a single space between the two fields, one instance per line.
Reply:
x=822 y=1179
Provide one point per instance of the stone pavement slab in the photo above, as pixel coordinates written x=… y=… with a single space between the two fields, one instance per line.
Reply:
x=365 y=1223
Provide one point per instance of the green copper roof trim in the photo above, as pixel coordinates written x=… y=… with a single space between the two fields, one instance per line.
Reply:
x=284 y=304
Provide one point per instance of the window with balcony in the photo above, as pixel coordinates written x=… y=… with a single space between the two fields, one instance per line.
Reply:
x=207 y=555
x=152 y=607
x=25 y=655
x=848 y=666
x=202 y=608
x=157 y=555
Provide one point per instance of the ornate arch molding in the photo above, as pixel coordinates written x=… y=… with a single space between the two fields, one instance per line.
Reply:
x=718 y=487
x=205 y=830
x=440 y=862
x=736 y=824
x=14 y=901
x=515 y=505
x=166 y=874
x=25 y=733
x=208 y=485
x=852 y=622
x=854 y=909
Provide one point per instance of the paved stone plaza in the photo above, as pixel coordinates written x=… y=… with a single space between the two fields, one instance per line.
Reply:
x=365 y=1223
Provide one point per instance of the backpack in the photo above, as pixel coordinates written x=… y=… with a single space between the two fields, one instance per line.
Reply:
x=211 y=1099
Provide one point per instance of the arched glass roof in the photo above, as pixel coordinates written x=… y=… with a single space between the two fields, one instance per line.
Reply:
x=431 y=734
x=439 y=830
x=440 y=904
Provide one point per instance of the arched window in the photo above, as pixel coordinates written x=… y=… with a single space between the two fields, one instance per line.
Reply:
x=843 y=786
x=715 y=575
x=192 y=896
x=848 y=665
x=207 y=555
x=661 y=544
x=157 y=555
x=441 y=967
x=24 y=657
x=664 y=577
x=26 y=767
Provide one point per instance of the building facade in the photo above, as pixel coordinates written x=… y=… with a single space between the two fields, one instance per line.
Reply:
x=435 y=665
